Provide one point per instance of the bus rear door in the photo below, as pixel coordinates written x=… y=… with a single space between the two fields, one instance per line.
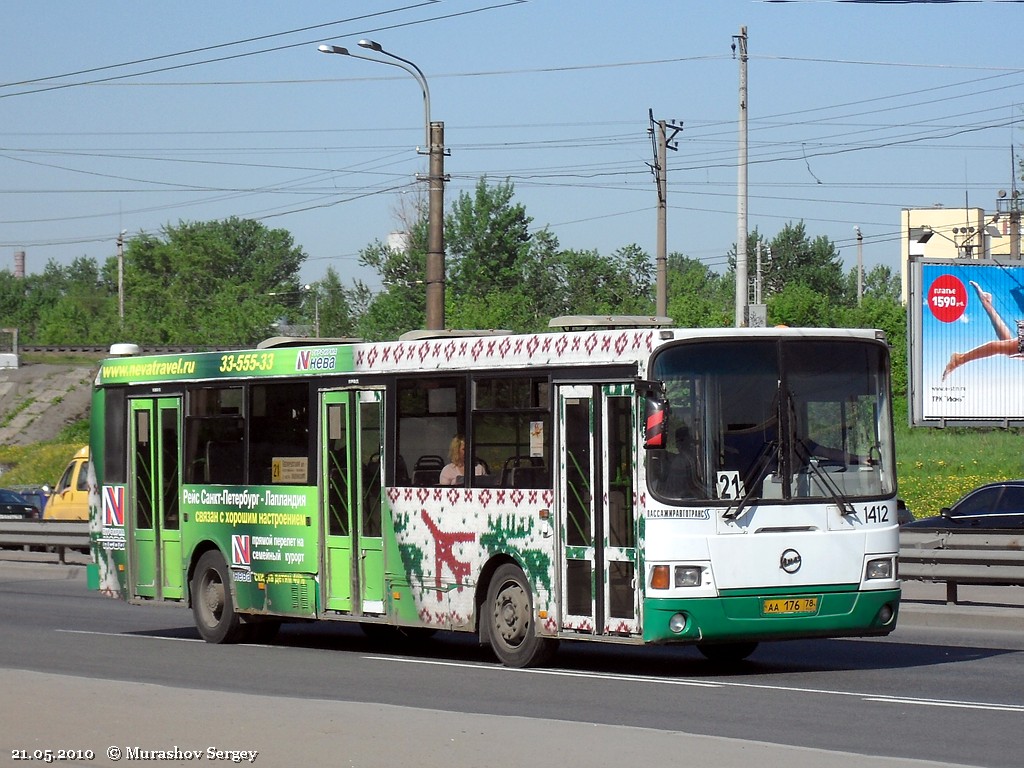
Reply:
x=596 y=509
x=153 y=514
x=351 y=446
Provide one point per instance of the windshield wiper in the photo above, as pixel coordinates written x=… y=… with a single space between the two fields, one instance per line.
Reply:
x=844 y=504
x=769 y=452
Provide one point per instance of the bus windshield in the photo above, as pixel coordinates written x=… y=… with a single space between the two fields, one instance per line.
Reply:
x=774 y=420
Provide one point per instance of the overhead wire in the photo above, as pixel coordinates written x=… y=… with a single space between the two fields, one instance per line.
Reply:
x=571 y=175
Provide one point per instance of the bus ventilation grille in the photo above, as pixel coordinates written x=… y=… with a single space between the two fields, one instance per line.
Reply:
x=301 y=598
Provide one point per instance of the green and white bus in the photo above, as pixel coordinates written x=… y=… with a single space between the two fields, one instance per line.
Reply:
x=631 y=484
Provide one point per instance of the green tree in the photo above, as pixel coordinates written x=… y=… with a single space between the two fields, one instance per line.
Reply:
x=697 y=296
x=73 y=305
x=882 y=308
x=218 y=283
x=879 y=281
x=795 y=258
x=622 y=283
x=799 y=305
x=402 y=304
x=487 y=239
x=333 y=306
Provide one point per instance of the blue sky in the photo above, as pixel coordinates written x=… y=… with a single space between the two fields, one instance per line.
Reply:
x=129 y=116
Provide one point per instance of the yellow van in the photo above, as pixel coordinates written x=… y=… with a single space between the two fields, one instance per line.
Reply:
x=70 y=499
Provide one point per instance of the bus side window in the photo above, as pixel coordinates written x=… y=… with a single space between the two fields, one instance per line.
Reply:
x=431 y=411
x=224 y=465
x=512 y=431
x=214 y=429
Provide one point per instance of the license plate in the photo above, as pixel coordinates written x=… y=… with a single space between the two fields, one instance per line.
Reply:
x=789 y=606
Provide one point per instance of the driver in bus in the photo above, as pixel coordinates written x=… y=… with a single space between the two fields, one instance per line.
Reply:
x=683 y=478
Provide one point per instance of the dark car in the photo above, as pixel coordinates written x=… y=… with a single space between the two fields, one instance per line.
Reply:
x=14 y=506
x=996 y=506
x=36 y=495
x=903 y=515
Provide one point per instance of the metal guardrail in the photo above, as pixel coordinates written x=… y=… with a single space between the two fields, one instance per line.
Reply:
x=58 y=534
x=962 y=557
x=953 y=557
x=103 y=350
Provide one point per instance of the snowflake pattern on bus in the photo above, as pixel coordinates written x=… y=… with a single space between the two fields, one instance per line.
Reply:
x=499 y=350
x=439 y=550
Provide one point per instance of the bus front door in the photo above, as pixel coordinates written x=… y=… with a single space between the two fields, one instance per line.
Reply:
x=153 y=492
x=351 y=446
x=596 y=509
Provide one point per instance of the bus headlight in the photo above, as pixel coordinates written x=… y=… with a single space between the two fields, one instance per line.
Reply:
x=681 y=576
x=677 y=623
x=687 y=576
x=879 y=569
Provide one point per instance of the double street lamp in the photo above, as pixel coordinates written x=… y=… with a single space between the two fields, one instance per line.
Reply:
x=434 y=134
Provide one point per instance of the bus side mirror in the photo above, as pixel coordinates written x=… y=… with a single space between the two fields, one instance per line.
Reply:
x=655 y=420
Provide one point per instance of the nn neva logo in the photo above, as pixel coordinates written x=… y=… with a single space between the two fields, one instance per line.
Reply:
x=316 y=359
x=241 y=550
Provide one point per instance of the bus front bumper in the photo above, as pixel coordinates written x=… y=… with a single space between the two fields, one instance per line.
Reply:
x=752 y=616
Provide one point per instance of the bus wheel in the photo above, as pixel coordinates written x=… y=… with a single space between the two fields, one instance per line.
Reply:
x=212 y=608
x=726 y=653
x=509 y=616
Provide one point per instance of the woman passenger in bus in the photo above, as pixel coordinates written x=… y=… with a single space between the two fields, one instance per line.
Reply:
x=454 y=472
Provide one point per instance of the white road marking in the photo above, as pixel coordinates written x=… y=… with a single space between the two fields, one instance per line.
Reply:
x=677 y=681
x=872 y=697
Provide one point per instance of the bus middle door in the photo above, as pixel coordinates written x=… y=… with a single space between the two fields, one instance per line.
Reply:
x=154 y=494
x=596 y=509
x=350 y=464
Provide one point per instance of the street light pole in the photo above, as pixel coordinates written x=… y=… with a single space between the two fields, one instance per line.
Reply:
x=120 y=274
x=434 y=134
x=860 y=265
x=315 y=289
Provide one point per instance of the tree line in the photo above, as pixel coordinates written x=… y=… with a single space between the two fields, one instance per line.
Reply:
x=235 y=282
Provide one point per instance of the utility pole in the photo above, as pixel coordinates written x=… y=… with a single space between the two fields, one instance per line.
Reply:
x=1015 y=226
x=435 y=229
x=1013 y=208
x=757 y=275
x=860 y=265
x=662 y=143
x=120 y=274
x=742 y=288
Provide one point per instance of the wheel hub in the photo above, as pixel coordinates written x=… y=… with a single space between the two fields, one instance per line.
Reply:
x=511 y=615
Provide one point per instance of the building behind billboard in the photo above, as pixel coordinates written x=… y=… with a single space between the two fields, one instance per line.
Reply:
x=965 y=321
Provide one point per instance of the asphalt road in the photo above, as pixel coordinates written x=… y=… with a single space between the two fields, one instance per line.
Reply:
x=78 y=672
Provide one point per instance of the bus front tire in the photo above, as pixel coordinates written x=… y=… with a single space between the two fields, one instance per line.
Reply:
x=510 y=621
x=212 y=606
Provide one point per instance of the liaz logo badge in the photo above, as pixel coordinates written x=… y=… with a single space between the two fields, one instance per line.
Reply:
x=113 y=506
x=241 y=551
x=316 y=360
x=790 y=561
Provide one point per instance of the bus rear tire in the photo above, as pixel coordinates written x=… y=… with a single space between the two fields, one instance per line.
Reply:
x=726 y=653
x=212 y=605
x=510 y=621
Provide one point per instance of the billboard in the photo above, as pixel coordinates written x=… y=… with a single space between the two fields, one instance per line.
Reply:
x=966 y=342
